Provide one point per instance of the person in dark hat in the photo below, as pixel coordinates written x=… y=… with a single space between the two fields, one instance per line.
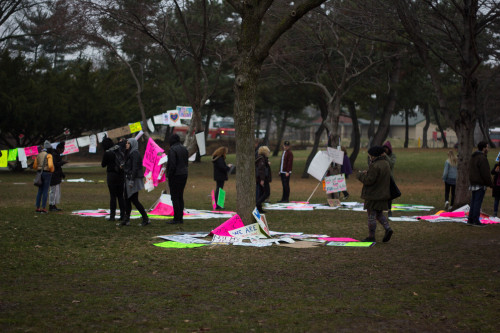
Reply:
x=376 y=192
x=57 y=176
x=286 y=171
x=177 y=174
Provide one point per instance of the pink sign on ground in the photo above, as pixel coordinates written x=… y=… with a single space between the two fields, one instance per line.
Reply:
x=234 y=222
x=163 y=209
x=30 y=151
x=338 y=239
x=453 y=214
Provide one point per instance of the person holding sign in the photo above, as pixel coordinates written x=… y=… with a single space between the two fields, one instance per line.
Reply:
x=286 y=171
x=133 y=182
x=221 y=170
x=263 y=176
x=43 y=163
x=376 y=193
x=177 y=173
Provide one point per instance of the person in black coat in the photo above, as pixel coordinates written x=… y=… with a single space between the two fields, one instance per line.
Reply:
x=262 y=176
x=177 y=173
x=115 y=177
x=57 y=176
x=496 y=187
x=221 y=170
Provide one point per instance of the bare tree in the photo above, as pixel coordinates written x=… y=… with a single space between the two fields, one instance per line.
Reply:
x=254 y=43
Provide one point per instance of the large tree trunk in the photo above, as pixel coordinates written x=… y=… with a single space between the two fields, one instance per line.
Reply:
x=322 y=104
x=384 y=124
x=332 y=120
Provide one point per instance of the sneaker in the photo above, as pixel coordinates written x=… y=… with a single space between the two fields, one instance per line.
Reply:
x=43 y=211
x=369 y=239
x=476 y=224
x=388 y=235
x=446 y=205
x=38 y=210
x=57 y=209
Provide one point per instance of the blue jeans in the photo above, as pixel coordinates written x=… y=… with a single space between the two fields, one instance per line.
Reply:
x=43 y=191
x=476 y=201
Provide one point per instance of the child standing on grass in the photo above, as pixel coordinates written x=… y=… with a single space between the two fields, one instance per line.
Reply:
x=496 y=187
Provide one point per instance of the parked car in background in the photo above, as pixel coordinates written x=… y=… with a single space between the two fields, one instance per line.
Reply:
x=495 y=136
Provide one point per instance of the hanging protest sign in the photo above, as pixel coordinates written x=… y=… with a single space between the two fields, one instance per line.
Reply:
x=135 y=127
x=30 y=151
x=185 y=112
x=319 y=165
x=101 y=136
x=173 y=118
x=336 y=154
x=83 y=141
x=200 y=141
x=158 y=119
x=119 y=132
x=70 y=147
x=12 y=156
x=221 y=198
x=151 y=127
x=335 y=183
x=93 y=144
x=3 y=158
x=21 y=155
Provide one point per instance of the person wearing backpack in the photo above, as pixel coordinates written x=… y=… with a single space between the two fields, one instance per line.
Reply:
x=43 y=163
x=113 y=160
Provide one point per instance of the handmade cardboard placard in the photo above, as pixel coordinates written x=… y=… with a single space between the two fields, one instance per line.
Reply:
x=200 y=141
x=173 y=118
x=83 y=141
x=333 y=202
x=3 y=158
x=119 y=132
x=12 y=155
x=135 y=127
x=319 y=165
x=214 y=204
x=261 y=220
x=234 y=222
x=101 y=136
x=251 y=230
x=221 y=198
x=185 y=112
x=30 y=151
x=335 y=183
x=70 y=147
x=336 y=154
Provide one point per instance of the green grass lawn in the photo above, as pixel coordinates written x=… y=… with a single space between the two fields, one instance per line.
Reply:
x=65 y=273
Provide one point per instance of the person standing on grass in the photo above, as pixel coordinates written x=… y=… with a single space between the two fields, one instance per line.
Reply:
x=496 y=187
x=450 y=179
x=133 y=182
x=177 y=173
x=286 y=171
x=376 y=193
x=220 y=170
x=115 y=176
x=262 y=177
x=346 y=169
x=479 y=179
x=391 y=158
x=43 y=162
x=57 y=176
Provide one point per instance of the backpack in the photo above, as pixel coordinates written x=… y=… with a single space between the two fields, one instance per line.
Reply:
x=119 y=158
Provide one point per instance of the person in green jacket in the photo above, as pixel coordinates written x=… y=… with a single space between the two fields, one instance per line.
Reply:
x=376 y=192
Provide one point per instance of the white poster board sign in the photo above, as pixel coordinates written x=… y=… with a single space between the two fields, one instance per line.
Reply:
x=200 y=140
x=319 y=165
x=335 y=183
x=337 y=155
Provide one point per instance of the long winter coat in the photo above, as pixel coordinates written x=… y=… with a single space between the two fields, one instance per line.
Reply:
x=376 y=184
x=220 y=168
x=133 y=170
x=479 y=170
x=58 y=174
x=496 y=182
x=262 y=169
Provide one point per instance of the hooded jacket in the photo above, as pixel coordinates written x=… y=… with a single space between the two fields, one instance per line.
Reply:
x=376 y=184
x=133 y=161
x=479 y=170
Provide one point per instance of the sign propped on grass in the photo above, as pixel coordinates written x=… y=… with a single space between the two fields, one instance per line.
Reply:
x=176 y=245
x=221 y=198
x=351 y=244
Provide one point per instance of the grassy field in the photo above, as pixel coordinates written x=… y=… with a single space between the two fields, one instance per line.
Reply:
x=65 y=273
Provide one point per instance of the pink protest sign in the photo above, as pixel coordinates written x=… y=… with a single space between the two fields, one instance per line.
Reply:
x=234 y=222
x=163 y=209
x=70 y=147
x=30 y=151
x=151 y=157
x=452 y=214
x=214 y=205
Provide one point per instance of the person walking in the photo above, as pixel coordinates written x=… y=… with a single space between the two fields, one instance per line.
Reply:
x=450 y=179
x=479 y=179
x=221 y=170
x=57 y=176
x=391 y=158
x=177 y=173
x=496 y=187
x=376 y=193
x=133 y=182
x=43 y=163
x=113 y=160
x=346 y=169
x=263 y=177
x=286 y=171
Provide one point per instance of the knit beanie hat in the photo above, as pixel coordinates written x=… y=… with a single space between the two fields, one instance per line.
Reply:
x=376 y=151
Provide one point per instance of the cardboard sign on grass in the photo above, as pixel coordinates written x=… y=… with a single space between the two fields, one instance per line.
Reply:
x=251 y=230
x=234 y=222
x=261 y=220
